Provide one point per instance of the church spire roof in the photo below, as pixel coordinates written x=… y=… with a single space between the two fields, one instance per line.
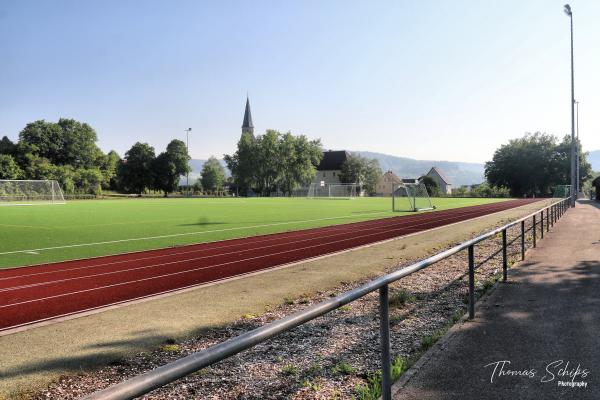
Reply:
x=247 y=124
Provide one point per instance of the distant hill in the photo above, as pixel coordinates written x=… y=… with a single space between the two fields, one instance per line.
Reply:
x=594 y=159
x=459 y=173
x=197 y=168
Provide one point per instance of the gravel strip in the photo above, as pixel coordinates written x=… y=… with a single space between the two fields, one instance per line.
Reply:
x=326 y=358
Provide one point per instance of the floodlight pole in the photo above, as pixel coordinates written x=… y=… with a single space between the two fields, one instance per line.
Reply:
x=569 y=13
x=577 y=149
x=187 y=149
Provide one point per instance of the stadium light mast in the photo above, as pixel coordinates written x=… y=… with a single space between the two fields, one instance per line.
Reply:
x=187 y=149
x=577 y=148
x=569 y=13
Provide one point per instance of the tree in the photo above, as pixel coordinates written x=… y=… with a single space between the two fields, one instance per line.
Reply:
x=272 y=161
x=243 y=164
x=533 y=165
x=170 y=166
x=178 y=154
x=297 y=159
x=67 y=142
x=213 y=175
x=89 y=180
x=7 y=146
x=431 y=185
x=166 y=178
x=362 y=171
x=267 y=168
x=109 y=165
x=9 y=168
x=135 y=170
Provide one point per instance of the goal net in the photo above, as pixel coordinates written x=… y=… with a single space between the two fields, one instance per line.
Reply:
x=333 y=190
x=27 y=192
x=411 y=197
x=562 y=191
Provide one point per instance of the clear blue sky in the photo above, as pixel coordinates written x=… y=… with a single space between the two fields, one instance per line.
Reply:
x=425 y=79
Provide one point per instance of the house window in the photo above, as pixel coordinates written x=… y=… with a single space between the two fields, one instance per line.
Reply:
x=334 y=174
x=323 y=174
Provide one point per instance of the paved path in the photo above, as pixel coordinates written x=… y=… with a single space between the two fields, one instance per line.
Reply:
x=546 y=319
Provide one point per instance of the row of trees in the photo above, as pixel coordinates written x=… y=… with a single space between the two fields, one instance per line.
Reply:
x=283 y=162
x=273 y=161
x=534 y=165
x=65 y=151
x=141 y=169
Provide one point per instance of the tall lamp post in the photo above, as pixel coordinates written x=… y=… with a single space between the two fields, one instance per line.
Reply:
x=187 y=148
x=569 y=13
x=577 y=148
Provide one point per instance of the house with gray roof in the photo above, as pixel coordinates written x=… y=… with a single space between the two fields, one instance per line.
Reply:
x=443 y=183
x=330 y=167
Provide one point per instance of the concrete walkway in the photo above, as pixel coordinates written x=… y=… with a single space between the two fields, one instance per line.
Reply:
x=531 y=336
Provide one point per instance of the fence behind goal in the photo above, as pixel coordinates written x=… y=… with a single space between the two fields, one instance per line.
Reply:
x=333 y=190
x=24 y=192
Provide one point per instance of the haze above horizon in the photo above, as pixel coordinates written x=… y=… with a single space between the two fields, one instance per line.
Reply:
x=424 y=80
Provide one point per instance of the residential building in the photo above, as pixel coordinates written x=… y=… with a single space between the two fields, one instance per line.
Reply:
x=387 y=183
x=443 y=183
x=330 y=167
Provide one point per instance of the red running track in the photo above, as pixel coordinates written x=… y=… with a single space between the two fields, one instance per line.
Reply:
x=37 y=293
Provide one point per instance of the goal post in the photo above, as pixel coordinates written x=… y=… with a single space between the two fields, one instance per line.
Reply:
x=333 y=190
x=30 y=192
x=411 y=197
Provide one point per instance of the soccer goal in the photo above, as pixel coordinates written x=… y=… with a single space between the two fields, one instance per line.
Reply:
x=30 y=192
x=562 y=192
x=333 y=190
x=411 y=197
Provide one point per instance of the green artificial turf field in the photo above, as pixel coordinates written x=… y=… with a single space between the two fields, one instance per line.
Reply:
x=89 y=228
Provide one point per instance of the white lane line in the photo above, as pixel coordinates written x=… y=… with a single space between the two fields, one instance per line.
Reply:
x=188 y=233
x=411 y=227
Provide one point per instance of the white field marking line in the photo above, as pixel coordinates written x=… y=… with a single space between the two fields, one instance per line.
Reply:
x=189 y=233
x=27 y=226
x=334 y=228
x=26 y=205
x=170 y=292
x=412 y=227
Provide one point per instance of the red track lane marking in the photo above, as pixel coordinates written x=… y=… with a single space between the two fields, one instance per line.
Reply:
x=343 y=227
x=407 y=227
x=50 y=307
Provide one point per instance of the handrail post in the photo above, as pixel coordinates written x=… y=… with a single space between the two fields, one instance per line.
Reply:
x=504 y=256
x=542 y=224
x=384 y=332
x=534 y=231
x=548 y=220
x=471 y=282
x=522 y=240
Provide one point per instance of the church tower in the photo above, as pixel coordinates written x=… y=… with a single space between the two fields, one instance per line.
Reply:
x=247 y=126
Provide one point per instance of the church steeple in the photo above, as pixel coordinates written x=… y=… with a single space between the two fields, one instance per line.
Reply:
x=247 y=126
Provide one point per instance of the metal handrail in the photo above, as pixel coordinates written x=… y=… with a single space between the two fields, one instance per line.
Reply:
x=171 y=372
